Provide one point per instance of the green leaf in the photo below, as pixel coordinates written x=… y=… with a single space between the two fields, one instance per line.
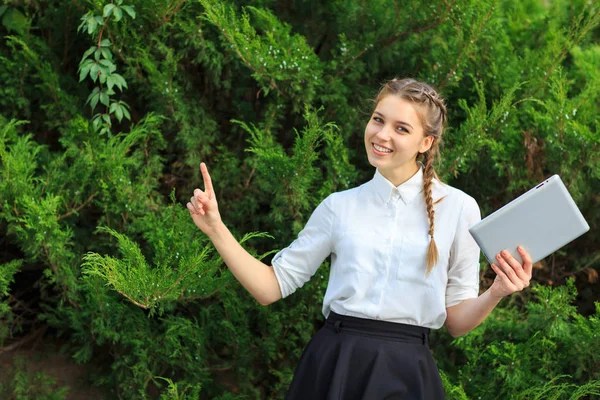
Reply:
x=106 y=53
x=119 y=81
x=106 y=118
x=92 y=24
x=83 y=24
x=94 y=71
x=113 y=106
x=118 y=13
x=105 y=43
x=105 y=131
x=106 y=63
x=84 y=69
x=126 y=113
x=97 y=54
x=105 y=70
x=14 y=20
x=96 y=121
x=108 y=10
x=104 y=99
x=87 y=53
x=119 y=113
x=103 y=75
x=130 y=11
x=110 y=81
x=94 y=100
x=94 y=92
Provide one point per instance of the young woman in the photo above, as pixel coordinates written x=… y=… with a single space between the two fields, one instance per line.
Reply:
x=402 y=261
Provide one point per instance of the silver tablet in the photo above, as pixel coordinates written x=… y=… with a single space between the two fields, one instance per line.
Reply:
x=542 y=220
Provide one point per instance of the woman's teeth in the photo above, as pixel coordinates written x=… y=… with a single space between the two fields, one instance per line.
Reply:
x=381 y=149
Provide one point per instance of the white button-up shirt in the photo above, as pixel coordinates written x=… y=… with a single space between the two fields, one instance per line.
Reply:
x=377 y=236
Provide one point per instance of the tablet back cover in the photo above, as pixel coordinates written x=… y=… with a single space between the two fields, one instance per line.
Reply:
x=542 y=220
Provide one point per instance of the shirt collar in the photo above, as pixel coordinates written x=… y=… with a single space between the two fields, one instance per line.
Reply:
x=406 y=191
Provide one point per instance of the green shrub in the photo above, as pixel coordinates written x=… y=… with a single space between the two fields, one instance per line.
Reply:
x=24 y=384
x=274 y=97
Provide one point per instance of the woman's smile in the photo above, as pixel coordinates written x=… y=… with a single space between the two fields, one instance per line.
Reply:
x=381 y=150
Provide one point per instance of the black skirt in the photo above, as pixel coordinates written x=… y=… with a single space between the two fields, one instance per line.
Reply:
x=362 y=359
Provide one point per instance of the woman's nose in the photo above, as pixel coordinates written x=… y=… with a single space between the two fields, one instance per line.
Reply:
x=384 y=133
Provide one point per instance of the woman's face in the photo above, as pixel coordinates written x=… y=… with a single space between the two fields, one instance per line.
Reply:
x=393 y=138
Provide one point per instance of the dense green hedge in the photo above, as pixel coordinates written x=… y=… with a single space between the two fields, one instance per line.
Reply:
x=107 y=108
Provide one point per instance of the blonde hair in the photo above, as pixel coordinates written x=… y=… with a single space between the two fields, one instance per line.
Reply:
x=432 y=113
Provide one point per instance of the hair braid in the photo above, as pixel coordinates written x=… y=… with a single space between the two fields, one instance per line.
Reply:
x=428 y=175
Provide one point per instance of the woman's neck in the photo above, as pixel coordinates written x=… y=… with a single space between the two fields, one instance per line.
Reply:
x=399 y=175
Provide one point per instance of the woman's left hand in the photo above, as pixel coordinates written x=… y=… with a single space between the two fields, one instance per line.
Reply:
x=511 y=276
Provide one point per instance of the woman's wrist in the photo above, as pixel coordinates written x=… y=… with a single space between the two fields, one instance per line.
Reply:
x=217 y=232
x=496 y=293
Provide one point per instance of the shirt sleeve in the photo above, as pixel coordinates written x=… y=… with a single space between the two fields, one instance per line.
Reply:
x=463 y=268
x=298 y=262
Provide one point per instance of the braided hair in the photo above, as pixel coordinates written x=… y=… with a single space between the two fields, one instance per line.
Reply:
x=432 y=113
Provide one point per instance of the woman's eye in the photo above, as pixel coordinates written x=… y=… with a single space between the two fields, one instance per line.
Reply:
x=377 y=119
x=402 y=129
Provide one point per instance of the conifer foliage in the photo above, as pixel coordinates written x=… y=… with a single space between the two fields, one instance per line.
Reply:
x=107 y=107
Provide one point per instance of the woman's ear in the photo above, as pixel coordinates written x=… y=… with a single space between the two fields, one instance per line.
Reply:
x=426 y=145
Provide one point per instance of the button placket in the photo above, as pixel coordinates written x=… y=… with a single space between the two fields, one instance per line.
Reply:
x=394 y=206
x=390 y=236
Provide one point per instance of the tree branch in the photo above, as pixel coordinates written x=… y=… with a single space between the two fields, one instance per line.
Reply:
x=25 y=340
x=85 y=203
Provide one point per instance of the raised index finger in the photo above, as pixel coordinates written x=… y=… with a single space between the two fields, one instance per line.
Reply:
x=206 y=177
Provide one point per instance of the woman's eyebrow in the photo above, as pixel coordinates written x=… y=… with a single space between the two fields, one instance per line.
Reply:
x=398 y=122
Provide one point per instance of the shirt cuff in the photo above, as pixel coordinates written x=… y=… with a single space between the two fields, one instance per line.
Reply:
x=455 y=295
x=283 y=278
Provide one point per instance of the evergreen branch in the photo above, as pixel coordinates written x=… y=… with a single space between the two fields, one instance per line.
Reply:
x=172 y=285
x=53 y=267
x=426 y=28
x=48 y=180
x=249 y=64
x=207 y=296
x=466 y=49
x=112 y=40
x=247 y=182
x=138 y=69
x=144 y=306
x=566 y=48
x=171 y=13
x=211 y=17
x=218 y=369
x=408 y=32
x=85 y=203
x=346 y=65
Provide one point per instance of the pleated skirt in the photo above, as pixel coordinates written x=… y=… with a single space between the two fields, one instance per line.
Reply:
x=362 y=359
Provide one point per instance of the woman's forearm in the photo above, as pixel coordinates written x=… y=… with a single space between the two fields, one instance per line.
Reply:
x=512 y=276
x=467 y=315
x=258 y=278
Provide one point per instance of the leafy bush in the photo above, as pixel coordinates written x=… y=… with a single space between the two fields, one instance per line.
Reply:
x=26 y=385
x=274 y=98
